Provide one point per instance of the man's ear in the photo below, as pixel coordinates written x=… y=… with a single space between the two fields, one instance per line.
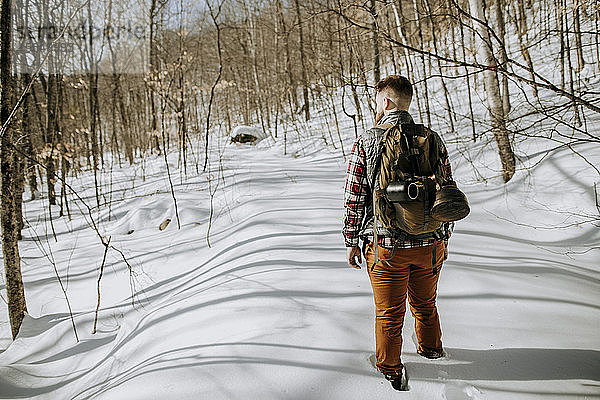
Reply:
x=389 y=104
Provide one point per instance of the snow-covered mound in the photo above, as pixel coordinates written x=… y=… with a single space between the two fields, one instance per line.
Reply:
x=247 y=134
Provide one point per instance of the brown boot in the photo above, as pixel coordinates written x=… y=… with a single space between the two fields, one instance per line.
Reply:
x=399 y=382
x=432 y=354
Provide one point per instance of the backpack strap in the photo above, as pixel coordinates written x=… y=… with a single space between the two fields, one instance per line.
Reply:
x=409 y=132
x=439 y=234
x=387 y=127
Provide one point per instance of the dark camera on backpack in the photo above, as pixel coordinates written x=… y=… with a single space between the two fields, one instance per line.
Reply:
x=404 y=191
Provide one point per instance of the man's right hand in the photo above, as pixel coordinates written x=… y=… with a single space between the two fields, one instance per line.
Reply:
x=352 y=252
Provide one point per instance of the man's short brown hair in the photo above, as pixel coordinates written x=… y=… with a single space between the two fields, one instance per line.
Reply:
x=398 y=87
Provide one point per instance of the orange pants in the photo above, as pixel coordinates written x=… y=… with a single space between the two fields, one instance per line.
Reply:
x=410 y=270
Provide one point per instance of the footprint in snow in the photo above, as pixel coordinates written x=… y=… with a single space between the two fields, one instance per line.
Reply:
x=461 y=391
x=373 y=360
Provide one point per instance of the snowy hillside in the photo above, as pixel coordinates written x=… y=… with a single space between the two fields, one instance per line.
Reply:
x=273 y=311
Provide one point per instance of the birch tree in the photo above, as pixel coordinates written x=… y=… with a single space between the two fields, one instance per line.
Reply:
x=492 y=90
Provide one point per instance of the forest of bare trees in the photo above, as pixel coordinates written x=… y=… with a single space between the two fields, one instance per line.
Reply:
x=87 y=83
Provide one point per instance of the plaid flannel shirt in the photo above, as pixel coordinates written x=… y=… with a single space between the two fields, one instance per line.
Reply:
x=356 y=192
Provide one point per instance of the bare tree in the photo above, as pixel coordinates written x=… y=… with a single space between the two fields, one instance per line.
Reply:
x=439 y=65
x=214 y=14
x=8 y=219
x=306 y=105
x=423 y=65
x=521 y=28
x=376 y=58
x=93 y=100
x=492 y=89
x=499 y=14
x=577 y=33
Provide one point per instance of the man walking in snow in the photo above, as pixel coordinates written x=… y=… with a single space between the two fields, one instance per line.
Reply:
x=407 y=264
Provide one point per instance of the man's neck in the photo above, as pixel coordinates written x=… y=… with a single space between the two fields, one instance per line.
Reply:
x=396 y=114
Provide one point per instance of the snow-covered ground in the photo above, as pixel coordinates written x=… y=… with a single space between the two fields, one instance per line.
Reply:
x=272 y=311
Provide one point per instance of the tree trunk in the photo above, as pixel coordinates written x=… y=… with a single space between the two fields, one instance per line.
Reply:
x=596 y=39
x=376 y=61
x=258 y=100
x=492 y=89
x=559 y=22
x=15 y=291
x=276 y=64
x=521 y=28
x=449 y=107
x=26 y=123
x=578 y=44
x=51 y=133
x=424 y=73
x=468 y=78
x=306 y=105
x=28 y=145
x=410 y=72
x=93 y=103
x=153 y=59
x=288 y=60
x=118 y=103
x=570 y=73
x=214 y=16
x=503 y=57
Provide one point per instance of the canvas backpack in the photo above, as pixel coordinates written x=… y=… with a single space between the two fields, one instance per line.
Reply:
x=409 y=171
